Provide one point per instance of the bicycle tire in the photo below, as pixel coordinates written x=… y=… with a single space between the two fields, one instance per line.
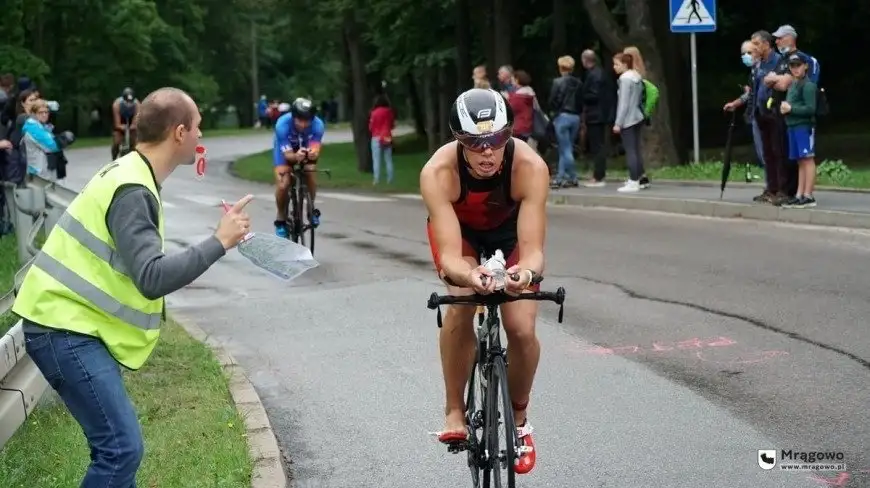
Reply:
x=474 y=409
x=498 y=387
x=309 y=209
x=293 y=229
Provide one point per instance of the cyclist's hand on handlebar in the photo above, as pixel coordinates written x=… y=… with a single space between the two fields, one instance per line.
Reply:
x=513 y=286
x=474 y=279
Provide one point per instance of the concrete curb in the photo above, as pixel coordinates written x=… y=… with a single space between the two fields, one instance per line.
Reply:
x=740 y=184
x=707 y=208
x=262 y=443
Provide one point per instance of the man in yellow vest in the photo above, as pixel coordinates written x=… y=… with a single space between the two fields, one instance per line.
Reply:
x=93 y=297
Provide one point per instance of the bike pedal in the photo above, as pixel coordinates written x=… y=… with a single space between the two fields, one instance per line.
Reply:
x=457 y=447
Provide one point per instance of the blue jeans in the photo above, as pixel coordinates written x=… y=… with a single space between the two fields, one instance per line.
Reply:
x=88 y=380
x=377 y=153
x=567 y=126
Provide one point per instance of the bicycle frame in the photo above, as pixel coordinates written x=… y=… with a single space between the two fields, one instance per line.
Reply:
x=488 y=365
x=297 y=192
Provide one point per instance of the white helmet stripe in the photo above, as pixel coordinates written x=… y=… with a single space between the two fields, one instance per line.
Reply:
x=466 y=121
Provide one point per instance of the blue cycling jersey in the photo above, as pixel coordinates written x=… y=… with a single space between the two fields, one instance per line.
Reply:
x=288 y=138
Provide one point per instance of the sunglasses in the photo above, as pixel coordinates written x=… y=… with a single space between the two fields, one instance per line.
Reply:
x=480 y=143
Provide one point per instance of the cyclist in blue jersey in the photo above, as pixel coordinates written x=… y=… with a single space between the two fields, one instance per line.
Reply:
x=298 y=134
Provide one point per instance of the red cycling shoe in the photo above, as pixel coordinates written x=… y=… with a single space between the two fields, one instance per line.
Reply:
x=527 y=455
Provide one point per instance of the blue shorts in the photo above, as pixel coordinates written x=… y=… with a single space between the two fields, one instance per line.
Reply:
x=801 y=142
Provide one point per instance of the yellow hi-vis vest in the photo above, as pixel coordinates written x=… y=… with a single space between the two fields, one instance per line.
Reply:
x=78 y=283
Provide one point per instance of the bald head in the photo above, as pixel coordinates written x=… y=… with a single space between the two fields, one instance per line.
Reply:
x=589 y=59
x=162 y=111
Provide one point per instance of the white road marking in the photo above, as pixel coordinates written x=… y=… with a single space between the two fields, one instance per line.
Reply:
x=351 y=197
x=168 y=204
x=408 y=196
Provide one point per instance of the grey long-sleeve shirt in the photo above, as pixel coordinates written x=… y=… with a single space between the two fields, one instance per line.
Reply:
x=132 y=222
x=628 y=112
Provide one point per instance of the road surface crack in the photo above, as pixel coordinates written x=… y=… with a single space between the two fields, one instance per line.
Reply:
x=721 y=313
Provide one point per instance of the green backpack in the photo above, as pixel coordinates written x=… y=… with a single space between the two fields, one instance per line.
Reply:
x=649 y=100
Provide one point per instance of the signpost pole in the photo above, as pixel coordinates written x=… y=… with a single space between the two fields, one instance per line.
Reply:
x=695 y=128
x=691 y=17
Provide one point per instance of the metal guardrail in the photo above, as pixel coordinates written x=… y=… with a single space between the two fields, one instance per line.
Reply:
x=34 y=207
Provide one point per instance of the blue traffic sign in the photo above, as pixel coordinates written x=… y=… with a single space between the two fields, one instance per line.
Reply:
x=691 y=16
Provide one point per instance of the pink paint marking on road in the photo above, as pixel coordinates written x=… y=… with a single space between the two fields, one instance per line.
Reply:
x=839 y=481
x=693 y=343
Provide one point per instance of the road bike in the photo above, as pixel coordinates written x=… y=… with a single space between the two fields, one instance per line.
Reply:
x=484 y=410
x=124 y=147
x=301 y=205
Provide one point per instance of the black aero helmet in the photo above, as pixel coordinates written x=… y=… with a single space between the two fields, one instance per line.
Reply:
x=481 y=118
x=302 y=108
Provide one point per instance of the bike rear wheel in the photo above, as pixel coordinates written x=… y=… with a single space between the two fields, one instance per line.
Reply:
x=501 y=448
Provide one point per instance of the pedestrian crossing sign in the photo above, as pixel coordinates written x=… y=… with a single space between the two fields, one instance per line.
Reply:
x=691 y=16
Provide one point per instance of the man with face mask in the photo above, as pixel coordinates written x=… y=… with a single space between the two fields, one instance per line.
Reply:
x=779 y=81
x=93 y=297
x=749 y=58
x=486 y=190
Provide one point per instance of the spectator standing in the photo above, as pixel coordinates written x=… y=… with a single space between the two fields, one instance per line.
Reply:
x=481 y=80
x=38 y=142
x=566 y=105
x=640 y=66
x=749 y=58
x=786 y=44
x=770 y=126
x=599 y=113
x=523 y=102
x=83 y=315
x=799 y=109
x=262 y=112
x=506 y=79
x=382 y=121
x=629 y=118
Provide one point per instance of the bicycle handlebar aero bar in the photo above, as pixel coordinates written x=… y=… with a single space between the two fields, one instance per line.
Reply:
x=498 y=298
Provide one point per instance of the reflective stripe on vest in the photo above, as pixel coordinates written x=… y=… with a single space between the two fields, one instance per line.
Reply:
x=79 y=283
x=96 y=296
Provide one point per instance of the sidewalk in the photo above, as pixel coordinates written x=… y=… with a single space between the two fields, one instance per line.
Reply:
x=835 y=208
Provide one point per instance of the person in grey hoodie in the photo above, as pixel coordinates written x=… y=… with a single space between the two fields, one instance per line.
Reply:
x=629 y=118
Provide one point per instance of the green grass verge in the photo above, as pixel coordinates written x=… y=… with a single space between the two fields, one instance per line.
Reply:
x=8 y=266
x=194 y=436
x=409 y=155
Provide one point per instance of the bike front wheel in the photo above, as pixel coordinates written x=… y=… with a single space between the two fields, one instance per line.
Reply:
x=309 y=212
x=501 y=435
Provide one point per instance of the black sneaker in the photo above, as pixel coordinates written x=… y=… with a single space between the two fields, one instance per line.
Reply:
x=793 y=202
x=808 y=202
x=643 y=182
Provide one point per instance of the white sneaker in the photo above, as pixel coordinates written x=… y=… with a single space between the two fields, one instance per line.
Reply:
x=629 y=187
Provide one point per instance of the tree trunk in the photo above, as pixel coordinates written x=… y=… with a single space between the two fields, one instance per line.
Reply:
x=658 y=144
x=502 y=20
x=416 y=105
x=463 y=46
x=359 y=119
x=445 y=100
x=430 y=108
x=558 y=20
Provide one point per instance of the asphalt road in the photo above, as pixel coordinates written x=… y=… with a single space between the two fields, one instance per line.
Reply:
x=346 y=359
